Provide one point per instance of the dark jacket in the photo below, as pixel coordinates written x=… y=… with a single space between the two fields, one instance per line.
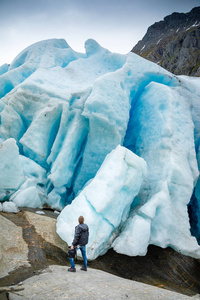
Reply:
x=81 y=235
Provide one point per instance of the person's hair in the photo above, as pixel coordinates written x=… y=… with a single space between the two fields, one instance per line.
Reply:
x=81 y=220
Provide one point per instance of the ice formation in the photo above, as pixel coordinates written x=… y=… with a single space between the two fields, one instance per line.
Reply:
x=113 y=137
x=9 y=207
x=105 y=201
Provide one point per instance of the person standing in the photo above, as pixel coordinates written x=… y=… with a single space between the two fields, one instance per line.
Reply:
x=80 y=241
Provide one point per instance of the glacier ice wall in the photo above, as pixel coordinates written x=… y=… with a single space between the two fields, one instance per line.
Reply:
x=62 y=114
x=105 y=201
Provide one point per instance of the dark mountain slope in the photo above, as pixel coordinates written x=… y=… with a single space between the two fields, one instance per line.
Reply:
x=174 y=43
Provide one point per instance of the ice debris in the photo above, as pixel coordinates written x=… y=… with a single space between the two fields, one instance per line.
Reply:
x=9 y=207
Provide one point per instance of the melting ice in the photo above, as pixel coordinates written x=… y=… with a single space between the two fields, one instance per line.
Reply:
x=112 y=137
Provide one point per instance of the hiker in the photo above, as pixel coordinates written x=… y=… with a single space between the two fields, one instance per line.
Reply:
x=80 y=241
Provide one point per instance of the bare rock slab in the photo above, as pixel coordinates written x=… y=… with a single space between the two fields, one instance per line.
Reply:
x=13 y=249
x=46 y=228
x=57 y=283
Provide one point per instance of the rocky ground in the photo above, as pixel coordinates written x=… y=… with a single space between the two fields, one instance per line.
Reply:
x=56 y=282
x=33 y=255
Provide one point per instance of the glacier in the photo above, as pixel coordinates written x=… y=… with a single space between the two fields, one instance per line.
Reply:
x=105 y=201
x=112 y=137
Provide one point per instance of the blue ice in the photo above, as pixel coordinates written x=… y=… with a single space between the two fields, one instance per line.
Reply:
x=63 y=113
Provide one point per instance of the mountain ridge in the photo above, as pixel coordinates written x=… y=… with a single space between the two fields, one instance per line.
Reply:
x=174 y=43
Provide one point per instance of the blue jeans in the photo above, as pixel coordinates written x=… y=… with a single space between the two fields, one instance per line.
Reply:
x=83 y=252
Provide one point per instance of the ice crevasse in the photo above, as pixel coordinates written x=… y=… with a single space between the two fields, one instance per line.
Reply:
x=112 y=137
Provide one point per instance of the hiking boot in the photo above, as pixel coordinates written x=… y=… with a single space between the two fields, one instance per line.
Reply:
x=84 y=268
x=72 y=269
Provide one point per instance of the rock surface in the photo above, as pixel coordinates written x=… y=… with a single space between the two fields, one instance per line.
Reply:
x=27 y=238
x=13 y=249
x=57 y=283
x=46 y=228
x=174 y=43
x=39 y=247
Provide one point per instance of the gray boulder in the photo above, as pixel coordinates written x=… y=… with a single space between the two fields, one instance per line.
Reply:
x=57 y=283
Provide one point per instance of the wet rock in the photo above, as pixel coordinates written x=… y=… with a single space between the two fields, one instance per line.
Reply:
x=28 y=240
x=13 y=249
x=43 y=248
x=46 y=228
x=164 y=268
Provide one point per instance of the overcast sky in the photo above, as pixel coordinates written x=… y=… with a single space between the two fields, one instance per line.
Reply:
x=115 y=24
